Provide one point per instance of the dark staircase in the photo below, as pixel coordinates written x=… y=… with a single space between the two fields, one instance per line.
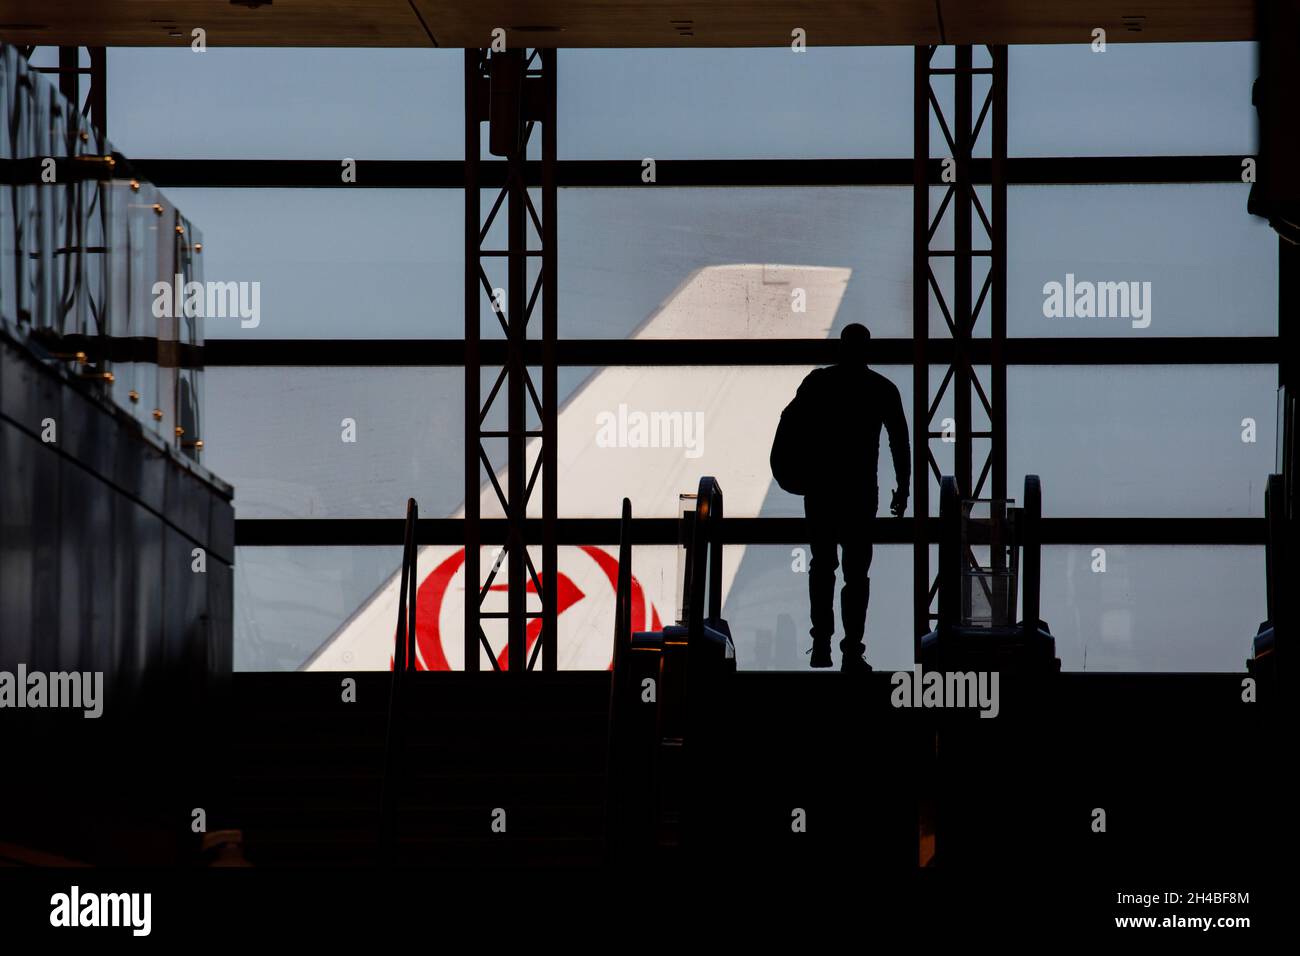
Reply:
x=307 y=769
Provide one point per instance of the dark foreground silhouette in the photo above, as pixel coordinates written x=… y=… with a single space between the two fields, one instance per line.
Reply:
x=827 y=449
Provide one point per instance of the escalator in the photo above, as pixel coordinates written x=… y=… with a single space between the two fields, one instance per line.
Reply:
x=676 y=757
x=713 y=769
x=977 y=627
x=666 y=693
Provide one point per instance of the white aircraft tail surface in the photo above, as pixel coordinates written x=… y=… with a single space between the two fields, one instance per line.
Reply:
x=647 y=434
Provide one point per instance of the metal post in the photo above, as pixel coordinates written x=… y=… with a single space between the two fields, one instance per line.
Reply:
x=998 y=330
x=516 y=414
x=1288 y=312
x=550 y=367
x=70 y=75
x=97 y=95
x=473 y=217
x=920 y=343
x=963 y=319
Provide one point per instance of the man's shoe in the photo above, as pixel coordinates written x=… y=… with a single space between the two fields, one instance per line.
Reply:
x=855 y=663
x=821 y=653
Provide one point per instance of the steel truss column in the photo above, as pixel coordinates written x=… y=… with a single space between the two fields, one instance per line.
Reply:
x=94 y=106
x=960 y=309
x=530 y=632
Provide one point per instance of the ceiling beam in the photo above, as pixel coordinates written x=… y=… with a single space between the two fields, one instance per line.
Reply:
x=616 y=23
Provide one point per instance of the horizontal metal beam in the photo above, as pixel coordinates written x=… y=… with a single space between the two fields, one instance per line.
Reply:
x=122 y=348
x=575 y=173
x=379 y=532
x=1188 y=350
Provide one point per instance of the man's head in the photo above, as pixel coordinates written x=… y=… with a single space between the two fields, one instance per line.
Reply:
x=855 y=342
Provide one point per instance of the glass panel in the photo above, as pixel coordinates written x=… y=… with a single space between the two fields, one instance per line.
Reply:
x=1190 y=255
x=290 y=600
x=1145 y=441
x=767 y=608
x=286 y=103
x=1153 y=608
x=1133 y=99
x=743 y=263
x=650 y=433
x=729 y=263
x=278 y=435
x=335 y=264
x=732 y=104
x=334 y=606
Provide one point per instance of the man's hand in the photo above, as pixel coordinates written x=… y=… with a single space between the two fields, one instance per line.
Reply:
x=899 y=503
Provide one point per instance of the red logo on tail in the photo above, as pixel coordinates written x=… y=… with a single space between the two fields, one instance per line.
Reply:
x=429 y=653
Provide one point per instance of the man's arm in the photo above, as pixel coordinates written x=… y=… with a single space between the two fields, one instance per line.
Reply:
x=900 y=449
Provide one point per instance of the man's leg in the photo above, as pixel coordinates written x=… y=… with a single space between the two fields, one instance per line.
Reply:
x=821 y=581
x=857 y=590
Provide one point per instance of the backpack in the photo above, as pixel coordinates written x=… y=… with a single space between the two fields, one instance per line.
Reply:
x=791 y=456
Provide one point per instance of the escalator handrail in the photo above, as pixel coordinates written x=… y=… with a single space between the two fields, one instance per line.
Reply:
x=704 y=558
x=618 y=678
x=622 y=612
x=403 y=660
x=1031 y=542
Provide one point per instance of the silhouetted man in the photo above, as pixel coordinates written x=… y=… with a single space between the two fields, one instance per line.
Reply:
x=838 y=413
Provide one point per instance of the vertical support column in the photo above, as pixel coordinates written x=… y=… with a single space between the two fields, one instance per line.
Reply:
x=515 y=93
x=962 y=317
x=97 y=95
x=473 y=216
x=920 y=345
x=998 y=331
x=1288 y=315
x=70 y=71
x=960 y=307
x=550 y=367
x=70 y=75
x=516 y=413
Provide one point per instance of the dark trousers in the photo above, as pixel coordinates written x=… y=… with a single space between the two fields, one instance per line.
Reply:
x=835 y=524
